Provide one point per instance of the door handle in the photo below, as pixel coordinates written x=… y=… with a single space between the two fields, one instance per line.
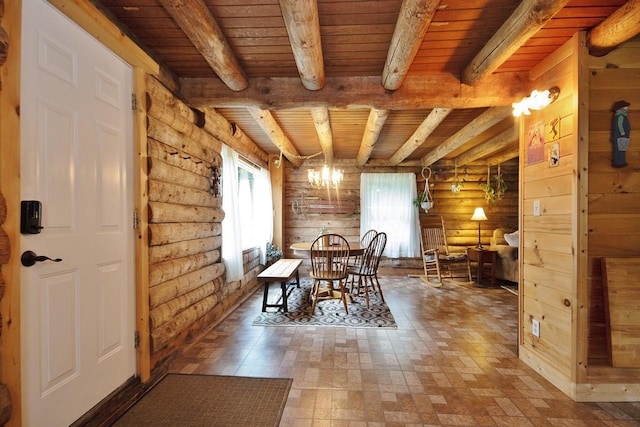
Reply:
x=29 y=258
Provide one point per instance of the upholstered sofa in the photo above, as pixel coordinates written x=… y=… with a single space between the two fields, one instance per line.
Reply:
x=506 y=245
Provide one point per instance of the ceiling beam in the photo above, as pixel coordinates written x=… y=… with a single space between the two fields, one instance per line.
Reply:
x=413 y=21
x=323 y=128
x=504 y=156
x=504 y=139
x=429 y=91
x=375 y=122
x=268 y=124
x=303 y=25
x=528 y=18
x=197 y=22
x=472 y=129
x=620 y=26
x=428 y=125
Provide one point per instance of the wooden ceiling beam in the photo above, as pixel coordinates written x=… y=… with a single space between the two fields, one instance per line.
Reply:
x=303 y=26
x=375 y=122
x=502 y=157
x=499 y=142
x=413 y=21
x=528 y=18
x=472 y=129
x=429 y=91
x=270 y=126
x=428 y=125
x=323 y=128
x=620 y=26
x=197 y=22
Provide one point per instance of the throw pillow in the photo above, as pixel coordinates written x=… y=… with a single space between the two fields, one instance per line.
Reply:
x=513 y=239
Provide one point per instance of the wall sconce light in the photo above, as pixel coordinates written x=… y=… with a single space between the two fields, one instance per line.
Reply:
x=327 y=177
x=478 y=215
x=536 y=101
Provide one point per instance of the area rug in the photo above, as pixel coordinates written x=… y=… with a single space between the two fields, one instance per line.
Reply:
x=210 y=400
x=328 y=312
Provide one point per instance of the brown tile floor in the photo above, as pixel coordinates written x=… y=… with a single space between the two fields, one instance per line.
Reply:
x=451 y=361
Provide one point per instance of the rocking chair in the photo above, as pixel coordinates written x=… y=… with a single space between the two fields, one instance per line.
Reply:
x=437 y=260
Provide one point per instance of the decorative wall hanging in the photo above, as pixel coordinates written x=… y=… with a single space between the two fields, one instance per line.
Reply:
x=620 y=133
x=495 y=187
x=535 y=143
x=425 y=200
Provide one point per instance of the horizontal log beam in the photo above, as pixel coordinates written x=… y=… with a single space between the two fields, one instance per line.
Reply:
x=440 y=90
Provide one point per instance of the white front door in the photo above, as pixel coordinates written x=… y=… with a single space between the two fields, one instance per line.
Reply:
x=78 y=315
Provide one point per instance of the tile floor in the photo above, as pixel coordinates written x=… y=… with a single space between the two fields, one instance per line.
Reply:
x=451 y=361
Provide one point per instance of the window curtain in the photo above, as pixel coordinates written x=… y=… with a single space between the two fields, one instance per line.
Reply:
x=263 y=213
x=386 y=204
x=231 y=239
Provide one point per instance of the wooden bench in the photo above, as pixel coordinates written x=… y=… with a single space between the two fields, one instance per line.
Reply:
x=280 y=271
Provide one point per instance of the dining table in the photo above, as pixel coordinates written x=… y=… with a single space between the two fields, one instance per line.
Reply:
x=304 y=249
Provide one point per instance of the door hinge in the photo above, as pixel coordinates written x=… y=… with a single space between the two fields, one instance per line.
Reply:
x=135 y=220
x=134 y=102
x=136 y=339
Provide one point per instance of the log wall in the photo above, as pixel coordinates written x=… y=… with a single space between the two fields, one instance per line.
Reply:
x=307 y=210
x=187 y=288
x=5 y=247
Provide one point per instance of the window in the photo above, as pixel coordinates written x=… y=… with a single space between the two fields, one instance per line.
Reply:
x=386 y=204
x=246 y=201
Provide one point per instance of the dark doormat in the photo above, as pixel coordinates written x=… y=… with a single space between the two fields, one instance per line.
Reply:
x=210 y=400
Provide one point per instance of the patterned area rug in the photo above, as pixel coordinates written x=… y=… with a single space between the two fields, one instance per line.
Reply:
x=328 y=312
x=210 y=400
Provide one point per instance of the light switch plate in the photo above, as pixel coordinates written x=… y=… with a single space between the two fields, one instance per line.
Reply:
x=536 y=208
x=535 y=327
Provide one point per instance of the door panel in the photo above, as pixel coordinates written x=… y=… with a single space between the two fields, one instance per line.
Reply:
x=78 y=315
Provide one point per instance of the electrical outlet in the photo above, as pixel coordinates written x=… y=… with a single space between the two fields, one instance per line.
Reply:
x=536 y=208
x=535 y=327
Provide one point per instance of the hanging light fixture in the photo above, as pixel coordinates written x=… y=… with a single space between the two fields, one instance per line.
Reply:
x=328 y=177
x=536 y=101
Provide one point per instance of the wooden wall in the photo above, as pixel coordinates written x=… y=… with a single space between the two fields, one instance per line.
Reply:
x=613 y=193
x=187 y=288
x=307 y=210
x=549 y=242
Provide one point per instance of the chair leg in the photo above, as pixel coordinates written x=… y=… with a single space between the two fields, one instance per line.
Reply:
x=314 y=295
x=343 y=296
x=366 y=289
x=379 y=287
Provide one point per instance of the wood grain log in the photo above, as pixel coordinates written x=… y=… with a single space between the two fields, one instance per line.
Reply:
x=164 y=253
x=4 y=46
x=164 y=133
x=166 y=192
x=2 y=287
x=181 y=322
x=168 y=270
x=158 y=93
x=3 y=209
x=5 y=405
x=168 y=212
x=161 y=234
x=5 y=247
x=164 y=312
x=174 y=288
x=174 y=157
x=162 y=171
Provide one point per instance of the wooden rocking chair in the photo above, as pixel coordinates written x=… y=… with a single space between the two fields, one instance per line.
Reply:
x=437 y=260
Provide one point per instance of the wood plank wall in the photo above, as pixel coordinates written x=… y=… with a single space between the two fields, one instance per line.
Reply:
x=307 y=210
x=187 y=288
x=614 y=193
x=548 y=259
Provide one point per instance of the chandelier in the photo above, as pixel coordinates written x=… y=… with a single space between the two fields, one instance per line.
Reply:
x=327 y=177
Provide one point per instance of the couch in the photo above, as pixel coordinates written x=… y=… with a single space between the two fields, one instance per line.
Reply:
x=506 y=244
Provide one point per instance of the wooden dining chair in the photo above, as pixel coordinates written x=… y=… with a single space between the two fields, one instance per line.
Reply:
x=367 y=271
x=329 y=261
x=355 y=260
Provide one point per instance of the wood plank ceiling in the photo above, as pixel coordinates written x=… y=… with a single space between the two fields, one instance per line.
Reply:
x=379 y=82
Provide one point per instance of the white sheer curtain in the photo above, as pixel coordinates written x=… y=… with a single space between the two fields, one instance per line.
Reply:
x=386 y=204
x=231 y=238
x=263 y=214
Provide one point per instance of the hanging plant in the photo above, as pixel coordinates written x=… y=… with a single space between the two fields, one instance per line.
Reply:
x=495 y=187
x=425 y=200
